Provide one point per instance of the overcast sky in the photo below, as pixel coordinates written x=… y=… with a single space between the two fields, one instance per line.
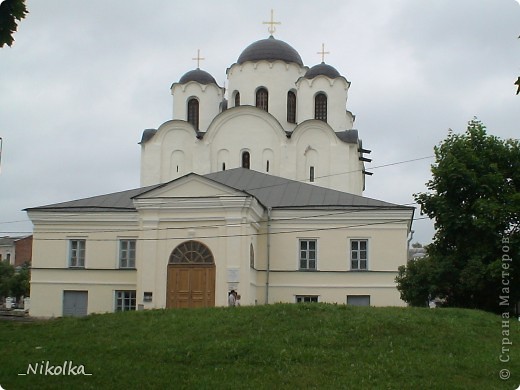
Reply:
x=85 y=78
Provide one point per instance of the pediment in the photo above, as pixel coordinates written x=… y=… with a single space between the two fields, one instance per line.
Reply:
x=191 y=186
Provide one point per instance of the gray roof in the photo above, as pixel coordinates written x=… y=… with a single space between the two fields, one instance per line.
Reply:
x=348 y=136
x=322 y=69
x=198 y=75
x=147 y=135
x=276 y=192
x=117 y=201
x=270 y=49
x=271 y=191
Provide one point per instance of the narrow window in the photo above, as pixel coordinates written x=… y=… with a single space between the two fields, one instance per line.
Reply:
x=125 y=300
x=359 y=255
x=127 y=253
x=193 y=112
x=267 y=166
x=262 y=98
x=251 y=256
x=223 y=166
x=291 y=107
x=320 y=107
x=308 y=254
x=246 y=160
x=311 y=174
x=237 y=99
x=77 y=253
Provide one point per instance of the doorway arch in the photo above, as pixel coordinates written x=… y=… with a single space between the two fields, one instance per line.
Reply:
x=191 y=276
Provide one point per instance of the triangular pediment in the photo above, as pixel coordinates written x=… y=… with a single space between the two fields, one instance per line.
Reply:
x=191 y=186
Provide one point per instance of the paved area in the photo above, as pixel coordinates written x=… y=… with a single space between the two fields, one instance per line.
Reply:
x=15 y=315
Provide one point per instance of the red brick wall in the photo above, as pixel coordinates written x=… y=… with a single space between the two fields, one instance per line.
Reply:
x=23 y=250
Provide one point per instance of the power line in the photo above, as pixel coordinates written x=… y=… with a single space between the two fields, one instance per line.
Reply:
x=137 y=230
x=274 y=185
x=344 y=227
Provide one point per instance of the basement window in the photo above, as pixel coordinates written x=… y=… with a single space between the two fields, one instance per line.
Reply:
x=306 y=298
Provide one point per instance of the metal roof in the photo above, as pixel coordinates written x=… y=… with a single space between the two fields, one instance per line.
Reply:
x=276 y=192
x=270 y=49
x=117 y=201
x=322 y=69
x=198 y=75
x=271 y=191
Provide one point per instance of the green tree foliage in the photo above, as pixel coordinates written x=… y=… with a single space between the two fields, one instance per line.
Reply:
x=474 y=199
x=414 y=281
x=14 y=283
x=20 y=282
x=10 y=12
x=6 y=273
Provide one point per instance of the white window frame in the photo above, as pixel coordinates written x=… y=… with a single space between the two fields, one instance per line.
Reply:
x=355 y=255
x=125 y=254
x=307 y=298
x=307 y=252
x=77 y=256
x=125 y=300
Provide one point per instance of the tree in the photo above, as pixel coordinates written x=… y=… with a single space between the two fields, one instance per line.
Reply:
x=14 y=283
x=6 y=273
x=20 y=282
x=414 y=281
x=474 y=199
x=10 y=12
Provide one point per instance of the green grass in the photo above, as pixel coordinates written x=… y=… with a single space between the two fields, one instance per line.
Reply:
x=266 y=347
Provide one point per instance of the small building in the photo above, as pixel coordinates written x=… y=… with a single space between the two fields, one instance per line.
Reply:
x=16 y=250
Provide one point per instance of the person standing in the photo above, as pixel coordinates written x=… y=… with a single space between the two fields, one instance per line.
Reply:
x=232 y=298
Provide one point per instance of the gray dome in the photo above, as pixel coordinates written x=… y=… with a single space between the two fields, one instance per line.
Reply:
x=322 y=69
x=200 y=76
x=270 y=49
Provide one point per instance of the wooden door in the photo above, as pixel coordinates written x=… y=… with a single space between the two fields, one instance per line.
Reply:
x=190 y=286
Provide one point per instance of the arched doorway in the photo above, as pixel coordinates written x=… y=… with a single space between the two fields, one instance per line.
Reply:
x=191 y=276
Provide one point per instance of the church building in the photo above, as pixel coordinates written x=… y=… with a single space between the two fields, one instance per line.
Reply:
x=256 y=188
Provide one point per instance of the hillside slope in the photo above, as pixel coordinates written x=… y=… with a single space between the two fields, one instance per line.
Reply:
x=277 y=346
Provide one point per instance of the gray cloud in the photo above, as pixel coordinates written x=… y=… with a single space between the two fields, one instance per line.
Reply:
x=83 y=80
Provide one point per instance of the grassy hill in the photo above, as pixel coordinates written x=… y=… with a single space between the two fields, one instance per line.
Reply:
x=293 y=346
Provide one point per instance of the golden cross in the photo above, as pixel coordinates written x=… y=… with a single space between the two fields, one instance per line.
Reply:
x=323 y=52
x=271 y=24
x=198 y=58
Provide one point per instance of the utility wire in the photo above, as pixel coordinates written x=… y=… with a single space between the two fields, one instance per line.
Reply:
x=137 y=230
x=344 y=227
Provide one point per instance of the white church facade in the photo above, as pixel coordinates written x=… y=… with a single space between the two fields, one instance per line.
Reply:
x=257 y=188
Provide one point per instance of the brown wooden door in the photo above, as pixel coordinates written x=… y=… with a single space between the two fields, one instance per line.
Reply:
x=190 y=286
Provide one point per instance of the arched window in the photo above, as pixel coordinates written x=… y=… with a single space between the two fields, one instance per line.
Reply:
x=246 y=160
x=237 y=99
x=191 y=252
x=291 y=107
x=320 y=107
x=193 y=112
x=262 y=98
